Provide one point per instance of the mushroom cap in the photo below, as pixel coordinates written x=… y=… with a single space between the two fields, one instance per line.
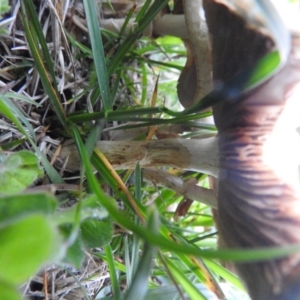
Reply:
x=187 y=86
x=257 y=207
x=195 y=80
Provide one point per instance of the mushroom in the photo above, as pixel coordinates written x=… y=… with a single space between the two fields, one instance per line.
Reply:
x=258 y=204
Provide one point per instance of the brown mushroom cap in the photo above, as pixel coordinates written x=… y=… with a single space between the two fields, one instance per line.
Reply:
x=257 y=207
x=195 y=80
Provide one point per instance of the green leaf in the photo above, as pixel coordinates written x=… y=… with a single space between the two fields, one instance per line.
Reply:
x=25 y=246
x=8 y=292
x=17 y=206
x=90 y=208
x=4 y=7
x=75 y=254
x=96 y=233
x=18 y=171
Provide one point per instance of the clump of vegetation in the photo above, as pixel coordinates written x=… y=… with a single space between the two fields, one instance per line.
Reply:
x=74 y=226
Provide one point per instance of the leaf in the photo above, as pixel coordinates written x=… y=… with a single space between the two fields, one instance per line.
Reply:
x=8 y=292
x=21 y=205
x=74 y=255
x=18 y=171
x=90 y=208
x=24 y=246
x=96 y=233
x=4 y=7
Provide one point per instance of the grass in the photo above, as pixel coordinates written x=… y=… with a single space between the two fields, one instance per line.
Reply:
x=112 y=234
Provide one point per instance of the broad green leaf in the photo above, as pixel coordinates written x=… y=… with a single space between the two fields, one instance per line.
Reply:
x=16 y=206
x=75 y=254
x=96 y=233
x=4 y=7
x=25 y=246
x=18 y=171
x=90 y=208
x=8 y=292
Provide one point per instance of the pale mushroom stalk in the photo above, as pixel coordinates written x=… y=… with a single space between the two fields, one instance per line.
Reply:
x=175 y=183
x=198 y=155
x=167 y=24
x=170 y=24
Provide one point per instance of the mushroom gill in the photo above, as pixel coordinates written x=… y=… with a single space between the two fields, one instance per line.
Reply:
x=257 y=205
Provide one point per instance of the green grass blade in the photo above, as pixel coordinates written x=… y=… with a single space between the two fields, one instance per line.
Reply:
x=143 y=10
x=224 y=273
x=30 y=11
x=139 y=286
x=19 y=114
x=153 y=10
x=98 y=52
x=52 y=173
x=35 y=38
x=184 y=282
x=113 y=273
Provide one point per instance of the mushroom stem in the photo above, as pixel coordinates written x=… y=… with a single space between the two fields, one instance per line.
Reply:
x=198 y=155
x=115 y=25
x=169 y=24
x=188 y=190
